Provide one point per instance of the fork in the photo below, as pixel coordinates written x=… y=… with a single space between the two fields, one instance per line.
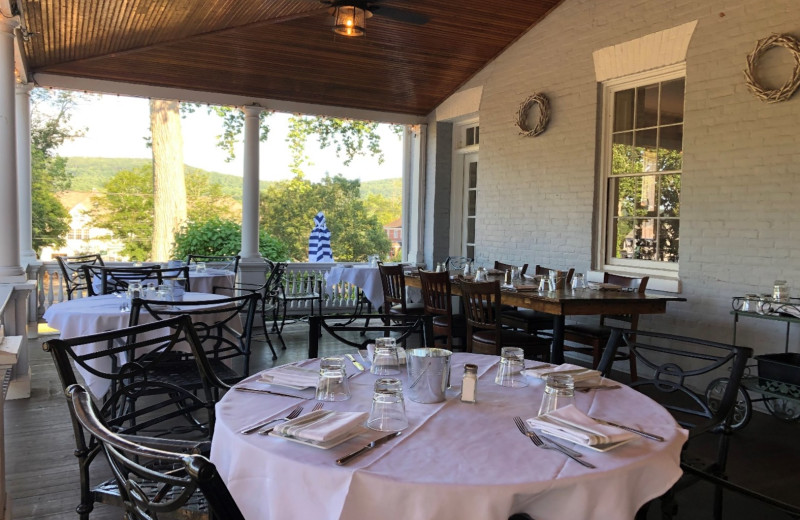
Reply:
x=541 y=444
x=250 y=429
x=266 y=431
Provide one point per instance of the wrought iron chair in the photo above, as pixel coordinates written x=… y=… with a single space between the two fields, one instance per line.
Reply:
x=397 y=325
x=216 y=323
x=591 y=338
x=228 y=263
x=437 y=299
x=135 y=403
x=310 y=291
x=266 y=303
x=154 y=477
x=673 y=368
x=456 y=263
x=72 y=271
x=116 y=279
x=485 y=332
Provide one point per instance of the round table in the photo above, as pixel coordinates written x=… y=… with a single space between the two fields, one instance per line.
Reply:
x=456 y=460
x=85 y=316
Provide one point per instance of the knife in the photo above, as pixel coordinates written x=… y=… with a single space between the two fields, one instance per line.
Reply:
x=262 y=391
x=377 y=442
x=355 y=363
x=647 y=435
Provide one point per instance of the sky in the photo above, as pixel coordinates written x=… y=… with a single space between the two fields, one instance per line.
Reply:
x=116 y=127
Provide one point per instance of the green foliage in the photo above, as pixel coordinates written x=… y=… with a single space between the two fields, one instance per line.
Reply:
x=216 y=236
x=288 y=209
x=232 y=125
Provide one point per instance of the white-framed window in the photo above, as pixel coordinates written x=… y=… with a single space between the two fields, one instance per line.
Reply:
x=641 y=169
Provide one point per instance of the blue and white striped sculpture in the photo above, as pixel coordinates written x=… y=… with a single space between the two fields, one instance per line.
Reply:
x=319 y=243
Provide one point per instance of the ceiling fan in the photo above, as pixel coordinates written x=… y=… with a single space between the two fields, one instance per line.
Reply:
x=350 y=16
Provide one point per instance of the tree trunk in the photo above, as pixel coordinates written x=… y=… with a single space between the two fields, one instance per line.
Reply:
x=169 y=186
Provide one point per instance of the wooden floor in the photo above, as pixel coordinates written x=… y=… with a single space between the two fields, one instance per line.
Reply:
x=42 y=476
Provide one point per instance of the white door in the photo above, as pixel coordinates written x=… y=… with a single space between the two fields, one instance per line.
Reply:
x=470 y=204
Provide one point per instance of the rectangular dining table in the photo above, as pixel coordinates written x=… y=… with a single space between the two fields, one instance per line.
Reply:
x=573 y=302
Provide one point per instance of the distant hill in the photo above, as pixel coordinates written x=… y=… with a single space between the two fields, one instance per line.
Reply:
x=91 y=173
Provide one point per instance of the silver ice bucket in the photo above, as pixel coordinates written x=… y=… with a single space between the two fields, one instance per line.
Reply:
x=428 y=374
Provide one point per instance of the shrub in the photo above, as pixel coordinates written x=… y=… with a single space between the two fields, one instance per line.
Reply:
x=217 y=236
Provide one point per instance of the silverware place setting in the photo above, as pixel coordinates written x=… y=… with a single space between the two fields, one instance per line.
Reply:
x=267 y=428
x=550 y=444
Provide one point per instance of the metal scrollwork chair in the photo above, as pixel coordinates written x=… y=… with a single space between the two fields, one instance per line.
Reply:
x=134 y=402
x=672 y=368
x=396 y=325
x=153 y=477
x=108 y=280
x=456 y=263
x=73 y=274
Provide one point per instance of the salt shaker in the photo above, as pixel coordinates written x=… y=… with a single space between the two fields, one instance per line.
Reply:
x=469 y=383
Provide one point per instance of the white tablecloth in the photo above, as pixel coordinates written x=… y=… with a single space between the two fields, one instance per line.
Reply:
x=455 y=461
x=199 y=282
x=85 y=316
x=368 y=279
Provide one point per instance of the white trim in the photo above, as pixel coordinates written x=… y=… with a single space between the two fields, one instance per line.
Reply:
x=212 y=98
x=666 y=271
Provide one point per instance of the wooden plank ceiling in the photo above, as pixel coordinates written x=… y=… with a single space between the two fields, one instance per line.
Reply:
x=277 y=49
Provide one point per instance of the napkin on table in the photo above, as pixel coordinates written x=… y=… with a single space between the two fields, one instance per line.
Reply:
x=578 y=373
x=322 y=425
x=571 y=424
x=290 y=375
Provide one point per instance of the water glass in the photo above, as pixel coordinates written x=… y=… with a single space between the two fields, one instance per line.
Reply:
x=578 y=282
x=332 y=384
x=134 y=290
x=201 y=267
x=559 y=391
x=164 y=293
x=388 y=411
x=544 y=284
x=509 y=372
x=150 y=291
x=481 y=275
x=385 y=361
x=125 y=306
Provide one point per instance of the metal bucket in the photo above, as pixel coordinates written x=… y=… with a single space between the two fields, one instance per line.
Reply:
x=428 y=374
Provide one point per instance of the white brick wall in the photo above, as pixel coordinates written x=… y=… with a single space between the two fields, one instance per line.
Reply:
x=740 y=221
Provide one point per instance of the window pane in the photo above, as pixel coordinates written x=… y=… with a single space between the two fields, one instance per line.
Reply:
x=623 y=110
x=668 y=238
x=669 y=189
x=634 y=196
x=647 y=106
x=470 y=251
x=477 y=140
x=473 y=174
x=471 y=230
x=670 y=151
x=623 y=158
x=672 y=101
x=646 y=147
x=471 y=203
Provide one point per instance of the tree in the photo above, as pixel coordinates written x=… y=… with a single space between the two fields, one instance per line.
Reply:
x=216 y=236
x=288 y=209
x=169 y=187
x=50 y=128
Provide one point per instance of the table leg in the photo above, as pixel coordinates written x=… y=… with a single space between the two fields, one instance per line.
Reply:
x=557 y=348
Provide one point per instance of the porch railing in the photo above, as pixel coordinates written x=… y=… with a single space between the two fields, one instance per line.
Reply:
x=301 y=278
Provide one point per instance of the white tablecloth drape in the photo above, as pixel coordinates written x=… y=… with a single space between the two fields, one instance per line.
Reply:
x=85 y=316
x=455 y=461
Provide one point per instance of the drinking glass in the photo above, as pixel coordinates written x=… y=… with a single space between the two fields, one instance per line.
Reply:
x=385 y=361
x=150 y=291
x=201 y=267
x=134 y=290
x=164 y=293
x=578 y=282
x=388 y=411
x=332 y=384
x=559 y=391
x=125 y=306
x=509 y=372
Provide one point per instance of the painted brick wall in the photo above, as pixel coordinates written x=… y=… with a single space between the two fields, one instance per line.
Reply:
x=740 y=222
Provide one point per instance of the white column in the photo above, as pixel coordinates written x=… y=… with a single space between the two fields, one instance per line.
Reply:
x=23 y=105
x=250 y=184
x=10 y=268
x=414 y=142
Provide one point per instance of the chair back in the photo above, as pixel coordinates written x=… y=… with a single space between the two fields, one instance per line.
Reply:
x=505 y=267
x=172 y=274
x=394 y=287
x=637 y=285
x=398 y=325
x=436 y=293
x=216 y=322
x=456 y=263
x=228 y=263
x=482 y=308
x=562 y=275
x=153 y=482
x=72 y=271
x=116 y=279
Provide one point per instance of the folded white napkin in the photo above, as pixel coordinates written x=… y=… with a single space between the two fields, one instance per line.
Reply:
x=290 y=375
x=577 y=373
x=401 y=353
x=322 y=425
x=573 y=425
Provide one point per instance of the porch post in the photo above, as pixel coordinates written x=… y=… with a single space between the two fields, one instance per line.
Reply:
x=10 y=266
x=23 y=106
x=414 y=142
x=250 y=184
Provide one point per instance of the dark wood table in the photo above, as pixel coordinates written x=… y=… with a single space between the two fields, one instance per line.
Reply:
x=581 y=302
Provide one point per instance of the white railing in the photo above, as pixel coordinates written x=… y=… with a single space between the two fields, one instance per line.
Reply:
x=300 y=279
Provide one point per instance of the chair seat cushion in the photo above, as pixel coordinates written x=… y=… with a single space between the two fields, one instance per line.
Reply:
x=458 y=321
x=532 y=345
x=589 y=331
x=411 y=308
x=527 y=320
